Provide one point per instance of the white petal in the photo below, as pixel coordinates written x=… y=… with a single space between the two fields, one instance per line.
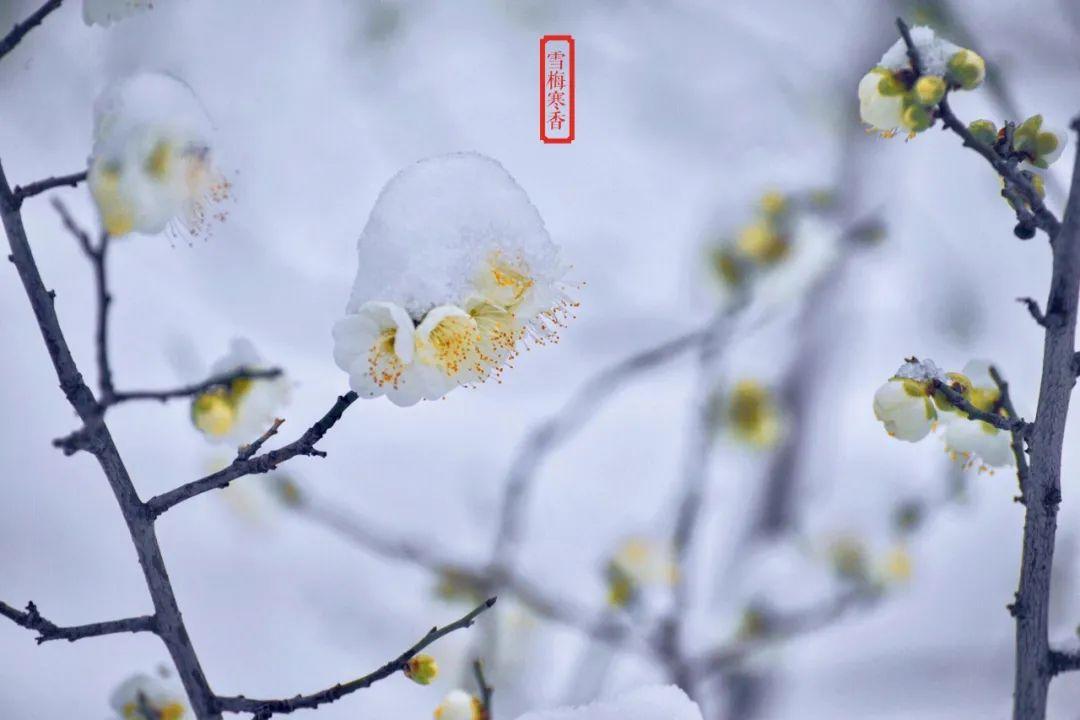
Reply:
x=991 y=445
x=905 y=417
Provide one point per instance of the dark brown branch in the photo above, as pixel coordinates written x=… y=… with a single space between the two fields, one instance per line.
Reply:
x=1062 y=661
x=1009 y=424
x=222 y=380
x=1033 y=308
x=169 y=625
x=264 y=463
x=31 y=620
x=22 y=192
x=17 y=33
x=1018 y=444
x=265 y=708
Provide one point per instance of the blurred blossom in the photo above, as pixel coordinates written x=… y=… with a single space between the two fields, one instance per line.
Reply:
x=638 y=564
x=644 y=703
x=142 y=697
x=749 y=412
x=245 y=409
x=459 y=705
x=456 y=273
x=151 y=165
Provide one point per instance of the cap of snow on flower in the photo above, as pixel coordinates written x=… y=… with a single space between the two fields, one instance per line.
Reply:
x=456 y=272
x=892 y=97
x=459 y=705
x=142 y=697
x=243 y=410
x=106 y=12
x=151 y=166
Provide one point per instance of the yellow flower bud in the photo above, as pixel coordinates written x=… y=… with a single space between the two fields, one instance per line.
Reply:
x=966 y=69
x=773 y=203
x=929 y=89
x=984 y=131
x=422 y=669
x=213 y=413
x=915 y=118
x=753 y=414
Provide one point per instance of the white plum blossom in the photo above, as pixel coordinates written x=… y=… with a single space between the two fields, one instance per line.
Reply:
x=142 y=697
x=245 y=409
x=904 y=404
x=459 y=705
x=974 y=438
x=892 y=97
x=647 y=703
x=456 y=270
x=151 y=166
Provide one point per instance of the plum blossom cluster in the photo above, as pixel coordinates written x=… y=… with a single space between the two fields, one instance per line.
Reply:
x=911 y=405
x=239 y=412
x=151 y=167
x=782 y=251
x=894 y=97
x=142 y=697
x=456 y=273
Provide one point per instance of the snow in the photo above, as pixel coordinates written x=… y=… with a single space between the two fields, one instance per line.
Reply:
x=922 y=370
x=934 y=52
x=437 y=223
x=648 y=703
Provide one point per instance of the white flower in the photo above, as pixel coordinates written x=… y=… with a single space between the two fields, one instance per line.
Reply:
x=455 y=258
x=106 y=12
x=934 y=52
x=644 y=703
x=975 y=438
x=459 y=705
x=142 y=697
x=151 y=166
x=905 y=407
x=244 y=410
x=882 y=113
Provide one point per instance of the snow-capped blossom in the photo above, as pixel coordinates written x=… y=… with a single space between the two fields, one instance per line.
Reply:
x=460 y=705
x=892 y=97
x=243 y=410
x=970 y=439
x=458 y=251
x=106 y=12
x=151 y=166
x=142 y=697
x=751 y=415
x=645 y=703
x=638 y=563
x=1039 y=144
x=904 y=403
x=422 y=669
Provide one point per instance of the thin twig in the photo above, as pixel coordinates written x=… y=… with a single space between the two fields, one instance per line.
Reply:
x=266 y=708
x=1018 y=434
x=31 y=619
x=264 y=463
x=1033 y=308
x=19 y=31
x=21 y=192
x=486 y=691
x=222 y=380
x=956 y=398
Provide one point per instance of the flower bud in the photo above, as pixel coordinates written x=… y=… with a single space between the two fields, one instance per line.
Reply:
x=422 y=669
x=929 y=89
x=984 y=131
x=966 y=69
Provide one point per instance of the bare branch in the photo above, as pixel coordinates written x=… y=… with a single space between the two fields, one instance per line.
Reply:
x=32 y=620
x=265 y=708
x=955 y=397
x=1062 y=661
x=264 y=463
x=1033 y=308
x=22 y=192
x=245 y=452
x=222 y=380
x=13 y=38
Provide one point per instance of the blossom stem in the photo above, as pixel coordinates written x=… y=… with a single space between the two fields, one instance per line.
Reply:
x=22 y=192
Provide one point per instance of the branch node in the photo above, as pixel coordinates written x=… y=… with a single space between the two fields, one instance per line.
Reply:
x=1033 y=308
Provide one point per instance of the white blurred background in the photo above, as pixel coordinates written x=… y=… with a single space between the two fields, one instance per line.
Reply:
x=687 y=112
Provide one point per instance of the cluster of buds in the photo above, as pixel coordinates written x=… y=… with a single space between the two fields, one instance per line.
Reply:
x=894 y=96
x=911 y=404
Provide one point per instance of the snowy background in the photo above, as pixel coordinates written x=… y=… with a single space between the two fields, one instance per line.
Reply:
x=687 y=111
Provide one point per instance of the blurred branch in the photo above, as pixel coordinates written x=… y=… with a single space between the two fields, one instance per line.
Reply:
x=221 y=380
x=32 y=620
x=21 y=192
x=246 y=465
x=264 y=709
x=13 y=38
x=1007 y=168
x=486 y=690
